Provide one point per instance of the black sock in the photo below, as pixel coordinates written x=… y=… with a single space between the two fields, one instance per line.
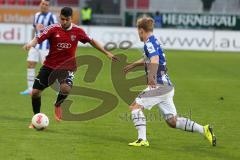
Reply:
x=36 y=104
x=60 y=98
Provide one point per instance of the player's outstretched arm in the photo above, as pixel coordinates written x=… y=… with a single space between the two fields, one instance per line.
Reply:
x=152 y=72
x=30 y=44
x=129 y=67
x=99 y=47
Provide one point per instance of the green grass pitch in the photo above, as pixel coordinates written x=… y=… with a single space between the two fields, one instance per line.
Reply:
x=206 y=85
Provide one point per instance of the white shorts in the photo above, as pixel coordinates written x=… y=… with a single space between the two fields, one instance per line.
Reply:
x=37 y=55
x=164 y=102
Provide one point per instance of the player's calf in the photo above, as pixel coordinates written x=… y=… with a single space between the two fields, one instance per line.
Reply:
x=62 y=95
x=139 y=120
x=36 y=101
x=65 y=88
x=36 y=93
x=186 y=124
x=172 y=121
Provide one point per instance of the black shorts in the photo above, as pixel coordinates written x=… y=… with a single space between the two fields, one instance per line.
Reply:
x=48 y=76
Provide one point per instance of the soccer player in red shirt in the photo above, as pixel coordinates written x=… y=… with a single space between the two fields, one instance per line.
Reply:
x=63 y=39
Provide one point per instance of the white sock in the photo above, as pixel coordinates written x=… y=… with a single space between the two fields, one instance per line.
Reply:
x=188 y=125
x=139 y=121
x=30 y=77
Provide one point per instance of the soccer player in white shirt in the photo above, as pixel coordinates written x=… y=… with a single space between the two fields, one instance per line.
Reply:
x=38 y=53
x=160 y=90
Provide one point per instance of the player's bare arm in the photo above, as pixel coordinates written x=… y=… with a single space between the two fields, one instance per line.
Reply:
x=129 y=67
x=30 y=44
x=153 y=67
x=39 y=27
x=99 y=47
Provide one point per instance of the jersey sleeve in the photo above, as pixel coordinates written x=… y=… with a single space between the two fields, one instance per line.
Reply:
x=83 y=37
x=152 y=51
x=45 y=34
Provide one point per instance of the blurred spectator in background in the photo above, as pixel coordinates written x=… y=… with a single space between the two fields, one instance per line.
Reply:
x=158 y=20
x=38 y=53
x=86 y=13
x=207 y=5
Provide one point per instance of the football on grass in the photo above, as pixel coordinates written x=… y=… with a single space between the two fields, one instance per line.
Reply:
x=40 y=121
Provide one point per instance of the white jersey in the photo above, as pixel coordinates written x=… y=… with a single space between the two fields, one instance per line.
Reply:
x=45 y=19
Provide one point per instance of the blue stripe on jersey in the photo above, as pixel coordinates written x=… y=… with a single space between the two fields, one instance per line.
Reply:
x=168 y=80
x=42 y=22
x=40 y=46
x=51 y=20
x=37 y=19
x=48 y=44
x=153 y=48
x=46 y=19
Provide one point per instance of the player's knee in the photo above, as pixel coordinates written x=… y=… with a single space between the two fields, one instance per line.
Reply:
x=134 y=106
x=65 y=89
x=31 y=64
x=172 y=122
x=36 y=93
x=131 y=108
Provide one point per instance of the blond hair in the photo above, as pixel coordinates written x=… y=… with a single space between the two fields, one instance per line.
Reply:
x=146 y=23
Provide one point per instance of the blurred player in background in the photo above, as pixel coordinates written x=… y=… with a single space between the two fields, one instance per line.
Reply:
x=38 y=53
x=63 y=39
x=160 y=90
